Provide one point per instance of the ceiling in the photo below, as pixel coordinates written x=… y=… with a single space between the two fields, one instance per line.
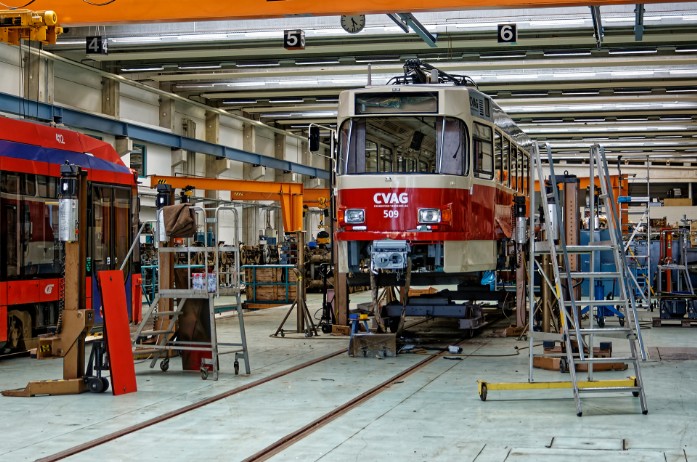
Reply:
x=635 y=92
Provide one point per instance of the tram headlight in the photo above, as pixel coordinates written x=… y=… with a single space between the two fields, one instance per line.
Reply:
x=354 y=216
x=429 y=216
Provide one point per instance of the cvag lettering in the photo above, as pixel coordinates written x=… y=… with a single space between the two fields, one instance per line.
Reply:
x=390 y=198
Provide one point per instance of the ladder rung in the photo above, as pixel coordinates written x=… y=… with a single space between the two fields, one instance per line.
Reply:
x=588 y=248
x=595 y=274
x=609 y=389
x=596 y=302
x=605 y=360
x=146 y=333
x=167 y=313
x=605 y=330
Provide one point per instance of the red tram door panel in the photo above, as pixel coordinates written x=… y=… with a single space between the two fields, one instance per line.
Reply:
x=118 y=334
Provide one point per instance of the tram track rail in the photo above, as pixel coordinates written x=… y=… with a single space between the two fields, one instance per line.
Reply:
x=183 y=410
x=293 y=437
x=283 y=442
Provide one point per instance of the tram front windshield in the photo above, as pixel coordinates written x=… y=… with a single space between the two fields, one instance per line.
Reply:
x=403 y=144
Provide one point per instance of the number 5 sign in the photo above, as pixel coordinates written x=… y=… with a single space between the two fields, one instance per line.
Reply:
x=507 y=33
x=294 y=39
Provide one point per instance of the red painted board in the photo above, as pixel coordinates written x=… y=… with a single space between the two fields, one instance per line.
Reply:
x=3 y=324
x=118 y=334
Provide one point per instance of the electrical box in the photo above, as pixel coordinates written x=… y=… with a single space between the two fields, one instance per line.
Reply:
x=389 y=254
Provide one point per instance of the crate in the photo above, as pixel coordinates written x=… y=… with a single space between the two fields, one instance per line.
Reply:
x=270 y=283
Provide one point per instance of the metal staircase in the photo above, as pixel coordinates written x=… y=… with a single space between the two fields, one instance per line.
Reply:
x=580 y=341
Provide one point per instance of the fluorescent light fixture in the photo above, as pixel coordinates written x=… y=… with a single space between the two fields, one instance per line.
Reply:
x=580 y=93
x=240 y=101
x=287 y=100
x=258 y=64
x=683 y=71
x=554 y=54
x=317 y=63
x=631 y=73
x=377 y=60
x=502 y=56
x=633 y=52
x=199 y=67
x=200 y=37
x=142 y=69
x=327 y=100
x=192 y=86
x=558 y=22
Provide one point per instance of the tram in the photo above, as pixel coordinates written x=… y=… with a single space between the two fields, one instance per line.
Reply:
x=31 y=254
x=427 y=170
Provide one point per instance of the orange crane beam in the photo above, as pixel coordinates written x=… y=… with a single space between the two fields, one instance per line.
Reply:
x=81 y=13
x=292 y=196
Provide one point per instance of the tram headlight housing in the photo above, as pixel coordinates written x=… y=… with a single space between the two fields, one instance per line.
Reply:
x=354 y=216
x=429 y=216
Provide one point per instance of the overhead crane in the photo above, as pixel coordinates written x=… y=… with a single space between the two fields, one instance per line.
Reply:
x=292 y=196
x=79 y=13
x=39 y=26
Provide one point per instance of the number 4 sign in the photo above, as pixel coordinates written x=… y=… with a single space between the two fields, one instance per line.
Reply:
x=507 y=33
x=95 y=45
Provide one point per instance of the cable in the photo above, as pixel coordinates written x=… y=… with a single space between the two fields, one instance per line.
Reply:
x=17 y=7
x=98 y=4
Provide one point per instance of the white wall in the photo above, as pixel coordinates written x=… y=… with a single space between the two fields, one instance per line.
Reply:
x=81 y=90
x=139 y=105
x=11 y=73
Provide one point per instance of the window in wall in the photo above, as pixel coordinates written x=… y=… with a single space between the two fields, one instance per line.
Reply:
x=138 y=159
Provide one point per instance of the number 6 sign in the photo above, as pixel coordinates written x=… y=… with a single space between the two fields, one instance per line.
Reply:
x=507 y=33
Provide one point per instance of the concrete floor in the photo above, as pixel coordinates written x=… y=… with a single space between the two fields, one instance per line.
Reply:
x=435 y=414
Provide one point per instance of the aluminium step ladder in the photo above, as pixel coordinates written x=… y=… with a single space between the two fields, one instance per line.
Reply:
x=223 y=279
x=579 y=341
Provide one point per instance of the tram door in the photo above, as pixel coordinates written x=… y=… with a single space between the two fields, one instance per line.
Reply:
x=109 y=237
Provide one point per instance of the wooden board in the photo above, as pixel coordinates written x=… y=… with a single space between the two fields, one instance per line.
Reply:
x=118 y=334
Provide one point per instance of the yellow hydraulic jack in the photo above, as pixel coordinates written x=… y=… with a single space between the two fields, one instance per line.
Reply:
x=75 y=321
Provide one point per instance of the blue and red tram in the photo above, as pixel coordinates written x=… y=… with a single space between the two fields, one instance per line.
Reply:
x=31 y=258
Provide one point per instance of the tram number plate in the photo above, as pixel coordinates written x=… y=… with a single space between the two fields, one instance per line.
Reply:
x=390 y=213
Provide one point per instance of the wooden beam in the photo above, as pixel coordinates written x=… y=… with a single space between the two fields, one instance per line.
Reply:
x=79 y=13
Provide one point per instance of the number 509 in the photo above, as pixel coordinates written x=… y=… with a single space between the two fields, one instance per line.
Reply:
x=390 y=213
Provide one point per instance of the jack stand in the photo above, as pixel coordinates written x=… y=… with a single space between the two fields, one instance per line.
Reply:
x=99 y=361
x=328 y=318
x=303 y=313
x=75 y=321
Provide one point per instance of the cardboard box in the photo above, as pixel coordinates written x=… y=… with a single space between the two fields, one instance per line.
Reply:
x=683 y=201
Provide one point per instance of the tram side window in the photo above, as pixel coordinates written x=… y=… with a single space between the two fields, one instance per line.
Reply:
x=29 y=216
x=452 y=152
x=498 y=156
x=352 y=142
x=371 y=156
x=525 y=173
x=385 y=164
x=506 y=162
x=514 y=167
x=483 y=151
